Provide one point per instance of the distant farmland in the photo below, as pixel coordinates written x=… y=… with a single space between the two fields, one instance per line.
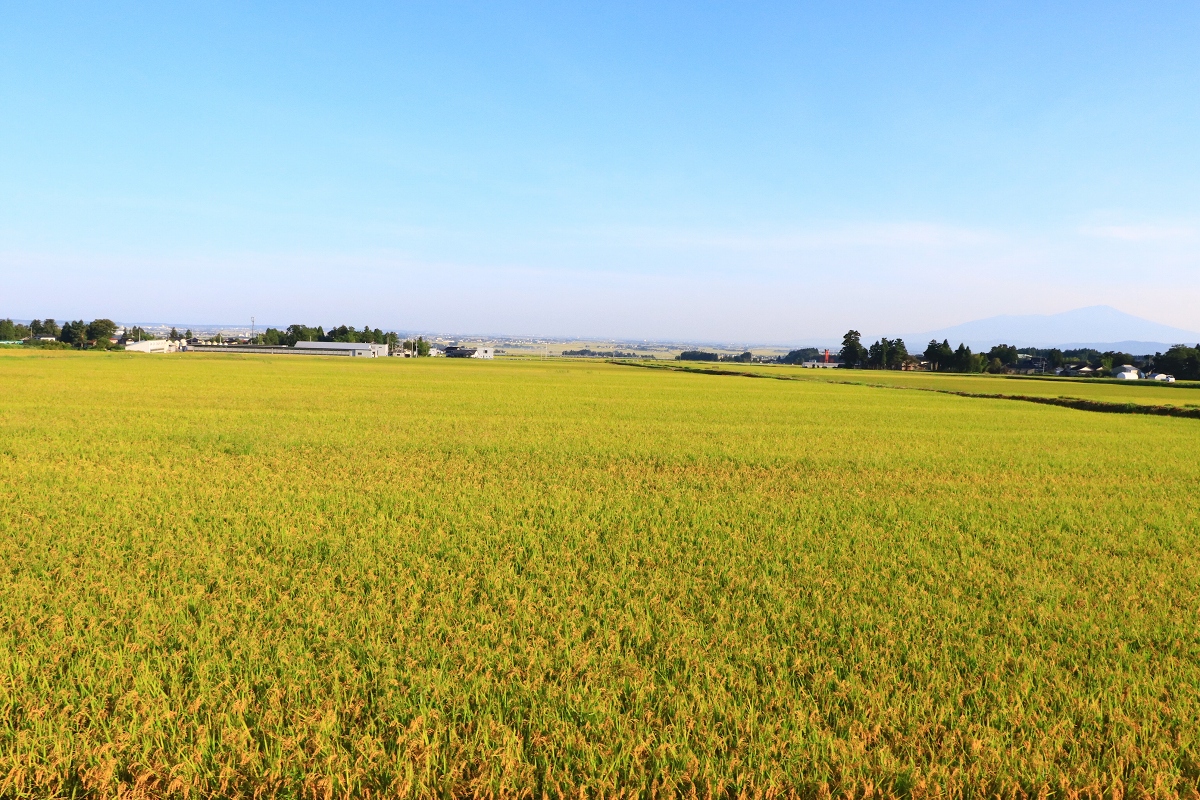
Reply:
x=247 y=576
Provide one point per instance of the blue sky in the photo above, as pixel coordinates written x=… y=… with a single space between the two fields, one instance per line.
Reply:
x=720 y=171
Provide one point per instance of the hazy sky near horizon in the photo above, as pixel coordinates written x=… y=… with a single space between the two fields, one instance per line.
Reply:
x=709 y=171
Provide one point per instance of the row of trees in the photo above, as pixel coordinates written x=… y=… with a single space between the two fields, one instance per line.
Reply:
x=343 y=333
x=704 y=355
x=96 y=333
x=800 y=356
x=418 y=346
x=883 y=354
x=1181 y=361
x=888 y=354
x=47 y=327
x=1084 y=356
x=938 y=356
x=793 y=357
x=941 y=357
x=99 y=332
x=12 y=331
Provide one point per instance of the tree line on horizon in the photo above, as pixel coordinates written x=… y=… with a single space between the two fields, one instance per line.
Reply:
x=48 y=332
x=303 y=333
x=342 y=333
x=1180 y=360
x=98 y=334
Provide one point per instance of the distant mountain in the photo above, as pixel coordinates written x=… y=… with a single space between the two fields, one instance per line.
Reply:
x=1101 y=327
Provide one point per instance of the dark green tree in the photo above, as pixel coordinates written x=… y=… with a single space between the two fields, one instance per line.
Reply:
x=800 y=356
x=887 y=354
x=877 y=354
x=303 y=333
x=940 y=356
x=101 y=329
x=1181 y=361
x=965 y=361
x=852 y=353
x=1006 y=354
x=1116 y=358
x=74 y=333
x=8 y=331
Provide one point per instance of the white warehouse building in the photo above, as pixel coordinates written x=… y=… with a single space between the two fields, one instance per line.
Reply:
x=152 y=346
x=359 y=349
x=469 y=351
x=1126 y=372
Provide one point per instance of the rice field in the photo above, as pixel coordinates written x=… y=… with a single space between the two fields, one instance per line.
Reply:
x=257 y=577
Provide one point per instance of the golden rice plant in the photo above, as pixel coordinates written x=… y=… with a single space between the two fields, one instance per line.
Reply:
x=257 y=577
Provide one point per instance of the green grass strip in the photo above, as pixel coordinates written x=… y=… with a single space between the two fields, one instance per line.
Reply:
x=1077 y=403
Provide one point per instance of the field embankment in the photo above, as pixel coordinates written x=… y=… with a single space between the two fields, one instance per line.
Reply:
x=1184 y=397
x=284 y=577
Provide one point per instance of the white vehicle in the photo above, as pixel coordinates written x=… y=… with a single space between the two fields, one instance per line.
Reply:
x=1161 y=376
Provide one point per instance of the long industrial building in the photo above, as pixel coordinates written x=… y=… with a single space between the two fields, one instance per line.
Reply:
x=351 y=349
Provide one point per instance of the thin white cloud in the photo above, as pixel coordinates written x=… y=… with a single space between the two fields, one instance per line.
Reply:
x=1141 y=233
x=914 y=235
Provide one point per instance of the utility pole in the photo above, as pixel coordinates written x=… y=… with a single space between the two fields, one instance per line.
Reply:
x=252 y=330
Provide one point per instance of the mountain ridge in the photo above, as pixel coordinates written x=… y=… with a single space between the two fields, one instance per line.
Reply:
x=1101 y=327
